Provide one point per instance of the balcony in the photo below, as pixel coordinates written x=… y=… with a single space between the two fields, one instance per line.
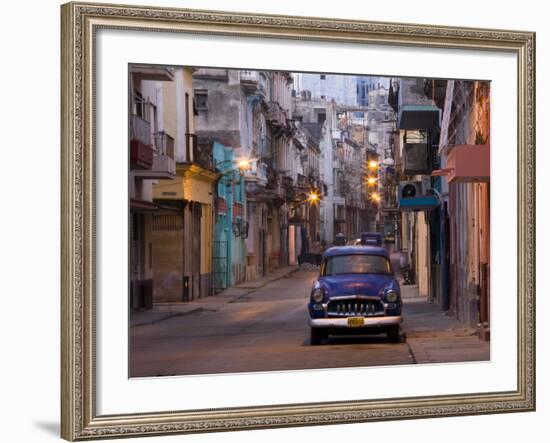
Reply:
x=467 y=164
x=416 y=110
x=262 y=171
x=416 y=158
x=198 y=154
x=257 y=176
x=302 y=182
x=153 y=73
x=141 y=150
x=250 y=80
x=164 y=164
x=418 y=117
x=276 y=115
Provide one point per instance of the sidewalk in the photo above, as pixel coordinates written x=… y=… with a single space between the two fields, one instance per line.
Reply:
x=164 y=311
x=435 y=337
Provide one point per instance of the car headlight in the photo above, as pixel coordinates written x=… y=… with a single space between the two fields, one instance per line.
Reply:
x=391 y=296
x=317 y=295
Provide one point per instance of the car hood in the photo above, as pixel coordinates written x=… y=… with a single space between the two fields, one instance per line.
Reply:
x=356 y=284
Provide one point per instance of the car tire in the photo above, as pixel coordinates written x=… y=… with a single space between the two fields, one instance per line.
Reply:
x=394 y=334
x=317 y=336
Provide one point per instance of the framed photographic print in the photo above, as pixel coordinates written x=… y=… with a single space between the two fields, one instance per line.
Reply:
x=277 y=221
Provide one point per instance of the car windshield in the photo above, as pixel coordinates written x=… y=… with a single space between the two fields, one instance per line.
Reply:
x=356 y=264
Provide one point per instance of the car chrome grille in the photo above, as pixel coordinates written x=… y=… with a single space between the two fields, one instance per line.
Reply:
x=355 y=308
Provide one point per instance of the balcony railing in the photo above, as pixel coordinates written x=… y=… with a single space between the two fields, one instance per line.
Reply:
x=164 y=164
x=200 y=155
x=250 y=77
x=141 y=150
x=417 y=158
x=302 y=181
x=164 y=144
x=140 y=130
x=276 y=115
x=262 y=171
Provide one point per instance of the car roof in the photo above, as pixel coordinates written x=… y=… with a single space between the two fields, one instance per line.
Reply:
x=352 y=250
x=378 y=234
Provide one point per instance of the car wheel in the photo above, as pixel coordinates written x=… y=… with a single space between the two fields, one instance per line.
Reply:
x=317 y=336
x=394 y=335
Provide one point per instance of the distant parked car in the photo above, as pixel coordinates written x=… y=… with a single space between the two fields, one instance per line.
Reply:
x=340 y=240
x=371 y=239
x=357 y=293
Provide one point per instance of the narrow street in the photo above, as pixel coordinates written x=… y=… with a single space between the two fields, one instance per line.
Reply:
x=263 y=326
x=253 y=173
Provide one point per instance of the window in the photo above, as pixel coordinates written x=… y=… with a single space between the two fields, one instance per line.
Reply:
x=201 y=99
x=238 y=191
x=139 y=104
x=321 y=117
x=357 y=264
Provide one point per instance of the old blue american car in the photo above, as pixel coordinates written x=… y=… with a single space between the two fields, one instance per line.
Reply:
x=356 y=292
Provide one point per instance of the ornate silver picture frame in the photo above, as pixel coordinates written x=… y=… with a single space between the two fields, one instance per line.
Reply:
x=80 y=24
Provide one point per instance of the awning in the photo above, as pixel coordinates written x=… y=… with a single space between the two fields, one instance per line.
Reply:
x=422 y=203
x=418 y=117
x=152 y=72
x=467 y=164
x=142 y=205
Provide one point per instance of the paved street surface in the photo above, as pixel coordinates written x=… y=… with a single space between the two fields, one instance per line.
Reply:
x=263 y=326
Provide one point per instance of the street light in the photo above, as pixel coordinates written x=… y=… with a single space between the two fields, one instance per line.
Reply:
x=371 y=181
x=244 y=164
x=313 y=197
x=373 y=164
x=375 y=196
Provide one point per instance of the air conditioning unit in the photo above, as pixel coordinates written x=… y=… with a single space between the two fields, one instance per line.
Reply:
x=414 y=188
x=416 y=196
x=409 y=190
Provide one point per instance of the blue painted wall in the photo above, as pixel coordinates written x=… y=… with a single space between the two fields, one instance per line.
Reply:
x=231 y=188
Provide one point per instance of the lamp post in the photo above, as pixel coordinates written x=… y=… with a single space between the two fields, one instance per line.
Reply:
x=371 y=181
x=372 y=164
x=309 y=199
x=313 y=197
x=243 y=164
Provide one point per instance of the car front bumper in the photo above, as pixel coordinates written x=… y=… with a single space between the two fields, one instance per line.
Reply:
x=371 y=322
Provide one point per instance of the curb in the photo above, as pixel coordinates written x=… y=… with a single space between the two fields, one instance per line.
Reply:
x=250 y=289
x=166 y=317
x=200 y=308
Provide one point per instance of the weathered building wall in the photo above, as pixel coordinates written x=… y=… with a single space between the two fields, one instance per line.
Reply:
x=190 y=192
x=422 y=257
x=223 y=120
x=469 y=205
x=340 y=88
x=167 y=237
x=145 y=107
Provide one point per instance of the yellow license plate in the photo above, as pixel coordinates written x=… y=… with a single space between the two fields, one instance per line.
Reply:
x=355 y=322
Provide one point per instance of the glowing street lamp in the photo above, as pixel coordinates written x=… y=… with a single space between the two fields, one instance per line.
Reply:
x=244 y=164
x=313 y=197
x=375 y=196
x=371 y=181
x=373 y=164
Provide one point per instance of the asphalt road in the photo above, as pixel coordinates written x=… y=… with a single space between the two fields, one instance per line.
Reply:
x=256 y=330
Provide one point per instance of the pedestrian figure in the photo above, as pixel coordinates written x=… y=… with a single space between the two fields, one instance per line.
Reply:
x=405 y=269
